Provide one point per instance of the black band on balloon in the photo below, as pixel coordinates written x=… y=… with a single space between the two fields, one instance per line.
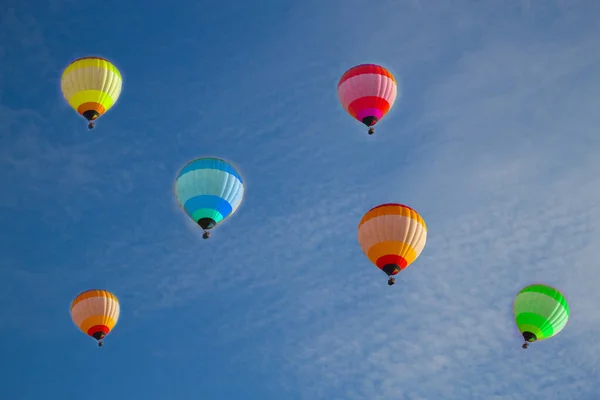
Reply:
x=206 y=223
x=90 y=115
x=389 y=269
x=529 y=337
x=369 y=121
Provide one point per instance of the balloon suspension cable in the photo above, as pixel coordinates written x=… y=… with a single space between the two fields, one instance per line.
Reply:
x=371 y=130
x=525 y=345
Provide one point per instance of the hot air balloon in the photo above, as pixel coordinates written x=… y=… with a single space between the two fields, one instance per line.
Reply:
x=95 y=312
x=392 y=236
x=92 y=86
x=209 y=190
x=540 y=313
x=367 y=92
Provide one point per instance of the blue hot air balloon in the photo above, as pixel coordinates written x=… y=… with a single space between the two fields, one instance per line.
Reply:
x=209 y=190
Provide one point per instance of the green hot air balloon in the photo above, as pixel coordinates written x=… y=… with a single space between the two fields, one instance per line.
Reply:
x=540 y=313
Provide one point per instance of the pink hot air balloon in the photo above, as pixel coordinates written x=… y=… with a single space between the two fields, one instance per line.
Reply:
x=367 y=92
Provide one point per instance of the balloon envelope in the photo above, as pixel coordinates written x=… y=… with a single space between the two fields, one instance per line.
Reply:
x=540 y=312
x=95 y=312
x=367 y=92
x=91 y=86
x=209 y=190
x=392 y=236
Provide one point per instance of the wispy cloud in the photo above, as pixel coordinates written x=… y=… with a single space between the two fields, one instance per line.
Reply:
x=509 y=199
x=508 y=186
x=493 y=141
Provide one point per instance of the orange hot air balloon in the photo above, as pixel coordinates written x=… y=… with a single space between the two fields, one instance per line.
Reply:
x=367 y=92
x=95 y=312
x=392 y=236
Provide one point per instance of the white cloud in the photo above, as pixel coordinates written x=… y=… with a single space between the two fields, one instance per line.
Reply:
x=494 y=141
x=508 y=186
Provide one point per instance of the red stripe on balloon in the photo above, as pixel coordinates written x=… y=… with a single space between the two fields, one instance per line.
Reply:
x=391 y=259
x=391 y=204
x=98 y=328
x=368 y=102
x=365 y=69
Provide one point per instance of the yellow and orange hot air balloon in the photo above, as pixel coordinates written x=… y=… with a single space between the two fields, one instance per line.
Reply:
x=392 y=236
x=95 y=312
x=92 y=86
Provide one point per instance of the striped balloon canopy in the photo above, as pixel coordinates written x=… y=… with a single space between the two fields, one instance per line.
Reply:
x=392 y=236
x=540 y=312
x=92 y=86
x=367 y=92
x=95 y=312
x=209 y=190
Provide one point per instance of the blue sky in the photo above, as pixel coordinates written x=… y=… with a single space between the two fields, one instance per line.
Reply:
x=494 y=140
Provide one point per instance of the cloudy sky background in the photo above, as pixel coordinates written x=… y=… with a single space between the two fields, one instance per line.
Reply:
x=494 y=140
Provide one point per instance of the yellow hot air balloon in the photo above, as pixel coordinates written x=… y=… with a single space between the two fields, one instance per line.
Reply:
x=392 y=236
x=95 y=312
x=92 y=86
